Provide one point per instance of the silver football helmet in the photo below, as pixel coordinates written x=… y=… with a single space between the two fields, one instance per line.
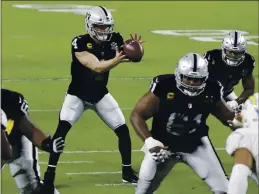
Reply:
x=233 y=48
x=99 y=23
x=191 y=74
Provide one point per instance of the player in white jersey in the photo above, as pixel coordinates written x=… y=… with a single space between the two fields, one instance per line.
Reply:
x=242 y=144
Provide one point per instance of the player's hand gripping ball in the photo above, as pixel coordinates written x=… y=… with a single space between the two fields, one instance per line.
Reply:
x=133 y=49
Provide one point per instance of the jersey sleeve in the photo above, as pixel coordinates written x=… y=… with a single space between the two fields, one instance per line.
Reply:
x=3 y=120
x=78 y=44
x=207 y=56
x=251 y=66
x=218 y=91
x=20 y=107
x=156 y=87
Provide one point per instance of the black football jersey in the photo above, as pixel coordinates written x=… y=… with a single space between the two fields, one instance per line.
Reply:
x=181 y=120
x=15 y=107
x=228 y=76
x=87 y=84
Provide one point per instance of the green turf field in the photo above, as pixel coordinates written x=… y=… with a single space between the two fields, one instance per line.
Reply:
x=36 y=56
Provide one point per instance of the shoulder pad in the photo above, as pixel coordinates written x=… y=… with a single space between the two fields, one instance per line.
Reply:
x=162 y=84
x=79 y=43
x=250 y=59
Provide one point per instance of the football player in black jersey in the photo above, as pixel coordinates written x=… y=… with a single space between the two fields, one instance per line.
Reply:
x=6 y=148
x=93 y=56
x=229 y=65
x=24 y=135
x=180 y=104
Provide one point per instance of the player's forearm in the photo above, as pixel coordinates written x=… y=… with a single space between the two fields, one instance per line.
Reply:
x=223 y=114
x=31 y=131
x=140 y=126
x=103 y=66
x=244 y=95
x=248 y=85
x=92 y=62
x=37 y=138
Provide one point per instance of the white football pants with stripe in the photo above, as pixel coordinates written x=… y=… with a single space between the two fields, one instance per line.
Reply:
x=204 y=162
x=25 y=168
x=107 y=109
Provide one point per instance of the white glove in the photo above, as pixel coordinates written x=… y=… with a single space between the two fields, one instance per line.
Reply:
x=58 y=145
x=232 y=105
x=160 y=156
x=53 y=145
x=236 y=123
x=151 y=143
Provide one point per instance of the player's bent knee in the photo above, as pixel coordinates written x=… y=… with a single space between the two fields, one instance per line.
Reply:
x=142 y=187
x=122 y=131
x=115 y=119
x=20 y=175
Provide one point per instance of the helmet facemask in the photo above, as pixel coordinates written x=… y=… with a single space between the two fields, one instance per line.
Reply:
x=191 y=85
x=232 y=57
x=102 y=32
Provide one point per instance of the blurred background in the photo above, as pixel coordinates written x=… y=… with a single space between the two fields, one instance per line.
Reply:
x=36 y=57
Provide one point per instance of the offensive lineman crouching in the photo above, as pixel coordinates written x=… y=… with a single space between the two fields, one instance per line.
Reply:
x=23 y=136
x=180 y=104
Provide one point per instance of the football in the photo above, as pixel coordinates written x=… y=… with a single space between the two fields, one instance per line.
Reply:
x=133 y=50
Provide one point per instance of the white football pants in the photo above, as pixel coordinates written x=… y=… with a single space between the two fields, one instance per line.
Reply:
x=203 y=161
x=25 y=169
x=107 y=109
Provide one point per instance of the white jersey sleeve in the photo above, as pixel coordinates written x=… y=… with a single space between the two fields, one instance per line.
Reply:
x=250 y=112
x=3 y=120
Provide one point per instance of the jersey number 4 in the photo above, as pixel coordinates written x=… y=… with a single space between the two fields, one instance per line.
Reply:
x=74 y=43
